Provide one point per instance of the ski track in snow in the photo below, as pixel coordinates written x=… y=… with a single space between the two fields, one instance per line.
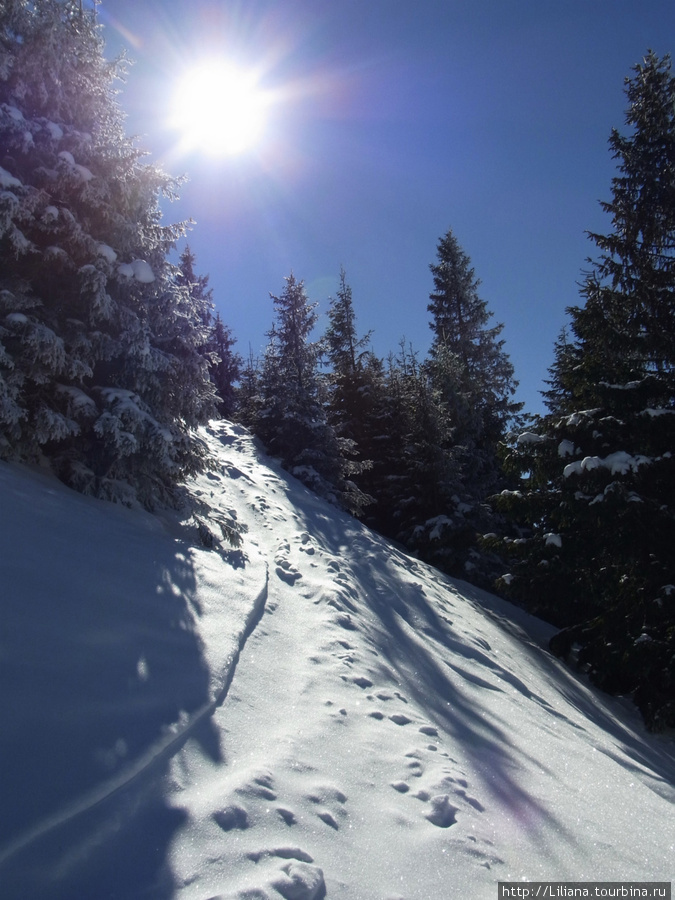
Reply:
x=376 y=730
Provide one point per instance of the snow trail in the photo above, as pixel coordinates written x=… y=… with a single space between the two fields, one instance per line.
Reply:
x=342 y=721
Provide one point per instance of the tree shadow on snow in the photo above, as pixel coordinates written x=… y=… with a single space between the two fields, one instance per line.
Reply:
x=100 y=667
x=418 y=644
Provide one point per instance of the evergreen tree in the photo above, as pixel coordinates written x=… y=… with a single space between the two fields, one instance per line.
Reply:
x=197 y=285
x=291 y=416
x=469 y=366
x=248 y=398
x=348 y=384
x=100 y=370
x=225 y=367
x=224 y=364
x=598 y=501
x=467 y=406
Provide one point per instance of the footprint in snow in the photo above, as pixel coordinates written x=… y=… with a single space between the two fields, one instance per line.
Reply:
x=443 y=814
x=287 y=572
x=283 y=853
x=231 y=817
x=400 y=719
x=361 y=681
x=287 y=815
x=401 y=786
x=477 y=805
x=344 y=620
x=306 y=545
x=415 y=765
x=259 y=787
x=428 y=730
x=325 y=795
x=300 y=881
x=328 y=818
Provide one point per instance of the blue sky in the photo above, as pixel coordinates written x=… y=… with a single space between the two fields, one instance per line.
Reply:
x=395 y=121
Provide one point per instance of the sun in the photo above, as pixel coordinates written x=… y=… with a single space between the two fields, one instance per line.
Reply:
x=219 y=109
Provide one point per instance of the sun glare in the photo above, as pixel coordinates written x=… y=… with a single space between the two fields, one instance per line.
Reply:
x=219 y=110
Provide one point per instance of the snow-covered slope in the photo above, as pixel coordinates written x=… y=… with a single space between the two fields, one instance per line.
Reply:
x=316 y=714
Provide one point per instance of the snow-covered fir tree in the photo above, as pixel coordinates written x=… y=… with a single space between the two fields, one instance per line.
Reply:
x=347 y=356
x=597 y=503
x=349 y=385
x=468 y=407
x=100 y=370
x=469 y=365
x=290 y=412
x=224 y=364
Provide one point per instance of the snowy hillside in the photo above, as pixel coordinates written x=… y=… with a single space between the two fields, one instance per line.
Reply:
x=315 y=714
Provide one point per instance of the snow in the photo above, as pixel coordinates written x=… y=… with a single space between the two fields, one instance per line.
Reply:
x=7 y=180
x=78 y=399
x=529 y=437
x=629 y=386
x=578 y=417
x=618 y=463
x=106 y=252
x=436 y=525
x=138 y=269
x=315 y=714
x=125 y=270
x=552 y=540
x=16 y=318
x=565 y=448
x=84 y=173
x=653 y=413
x=13 y=112
x=55 y=131
x=142 y=271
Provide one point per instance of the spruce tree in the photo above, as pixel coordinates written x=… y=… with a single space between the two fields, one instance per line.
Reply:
x=224 y=368
x=469 y=365
x=471 y=381
x=100 y=370
x=347 y=356
x=223 y=363
x=598 y=501
x=248 y=398
x=291 y=414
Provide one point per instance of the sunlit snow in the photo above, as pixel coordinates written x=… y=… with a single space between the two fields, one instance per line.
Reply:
x=106 y=252
x=315 y=714
x=138 y=269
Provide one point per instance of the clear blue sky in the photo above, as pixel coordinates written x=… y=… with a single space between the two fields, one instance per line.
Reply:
x=396 y=121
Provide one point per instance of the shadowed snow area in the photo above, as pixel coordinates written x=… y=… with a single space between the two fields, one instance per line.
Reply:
x=314 y=715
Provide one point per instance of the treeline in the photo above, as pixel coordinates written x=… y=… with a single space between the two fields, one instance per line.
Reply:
x=111 y=355
x=411 y=446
